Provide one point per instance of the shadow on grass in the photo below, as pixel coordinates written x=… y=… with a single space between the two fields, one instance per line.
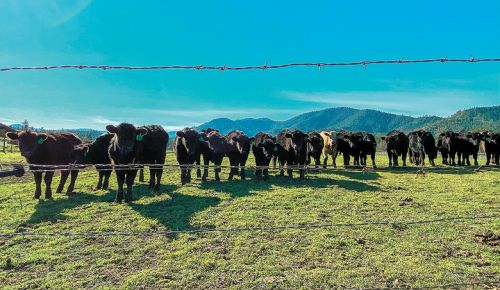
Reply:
x=176 y=212
x=359 y=175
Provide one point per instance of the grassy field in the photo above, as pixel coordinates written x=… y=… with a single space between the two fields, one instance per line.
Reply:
x=363 y=256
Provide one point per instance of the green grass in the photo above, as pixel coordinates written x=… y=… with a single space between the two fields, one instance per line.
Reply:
x=368 y=256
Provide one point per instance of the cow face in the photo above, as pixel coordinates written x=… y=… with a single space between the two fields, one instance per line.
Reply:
x=299 y=141
x=81 y=154
x=316 y=142
x=474 y=138
x=126 y=136
x=269 y=147
x=241 y=142
x=392 y=142
x=28 y=141
x=354 y=140
x=190 y=140
x=217 y=143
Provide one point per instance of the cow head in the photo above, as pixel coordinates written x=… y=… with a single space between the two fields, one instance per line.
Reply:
x=81 y=154
x=190 y=139
x=316 y=142
x=241 y=142
x=474 y=138
x=393 y=141
x=126 y=136
x=353 y=139
x=268 y=146
x=298 y=141
x=28 y=141
x=217 y=143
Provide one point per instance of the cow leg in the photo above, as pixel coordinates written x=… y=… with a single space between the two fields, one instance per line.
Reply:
x=107 y=174
x=334 y=158
x=346 y=159
x=48 y=182
x=188 y=175
x=130 y=177
x=389 y=155
x=71 y=187
x=152 y=176
x=282 y=170
x=198 y=163
x=403 y=158
x=325 y=160
x=488 y=158
x=242 y=171
x=466 y=159
x=266 y=171
x=274 y=162
x=497 y=159
x=206 y=163
x=141 y=174
x=289 y=171
x=302 y=172
x=120 y=179
x=474 y=155
x=64 y=177
x=217 y=169
x=101 y=177
x=183 y=176
x=234 y=169
x=373 y=159
x=38 y=184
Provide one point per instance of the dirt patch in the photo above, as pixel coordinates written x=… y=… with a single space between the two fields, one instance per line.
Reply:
x=488 y=238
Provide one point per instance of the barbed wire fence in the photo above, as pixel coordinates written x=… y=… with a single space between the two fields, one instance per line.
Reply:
x=265 y=66
x=304 y=227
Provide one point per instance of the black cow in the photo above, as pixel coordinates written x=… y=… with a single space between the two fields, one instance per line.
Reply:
x=238 y=153
x=186 y=149
x=469 y=145
x=348 y=145
x=263 y=147
x=122 y=152
x=367 y=146
x=203 y=150
x=48 y=149
x=422 y=143
x=396 y=144
x=294 y=151
x=214 y=149
x=152 y=149
x=314 y=148
x=96 y=153
x=491 y=147
x=449 y=145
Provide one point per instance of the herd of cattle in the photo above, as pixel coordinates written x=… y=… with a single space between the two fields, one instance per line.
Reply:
x=126 y=144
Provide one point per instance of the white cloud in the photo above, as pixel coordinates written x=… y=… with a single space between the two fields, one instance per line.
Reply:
x=101 y=120
x=418 y=102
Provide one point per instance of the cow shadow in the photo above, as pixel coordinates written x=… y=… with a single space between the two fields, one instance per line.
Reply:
x=236 y=188
x=52 y=210
x=175 y=213
x=455 y=170
x=358 y=175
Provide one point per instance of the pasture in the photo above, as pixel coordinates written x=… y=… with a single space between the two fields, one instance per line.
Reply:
x=397 y=255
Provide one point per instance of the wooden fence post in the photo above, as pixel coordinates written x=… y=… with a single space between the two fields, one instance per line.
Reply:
x=4 y=140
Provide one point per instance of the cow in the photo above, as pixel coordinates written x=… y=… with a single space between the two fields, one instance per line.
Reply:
x=186 y=148
x=442 y=149
x=449 y=146
x=122 y=152
x=490 y=144
x=367 y=146
x=48 y=149
x=469 y=145
x=96 y=153
x=263 y=147
x=238 y=153
x=422 y=143
x=314 y=148
x=349 y=145
x=214 y=149
x=203 y=150
x=294 y=153
x=396 y=144
x=151 y=149
x=330 y=147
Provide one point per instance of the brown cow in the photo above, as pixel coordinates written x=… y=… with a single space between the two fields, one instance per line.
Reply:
x=330 y=147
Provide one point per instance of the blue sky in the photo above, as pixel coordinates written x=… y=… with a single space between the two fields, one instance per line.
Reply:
x=241 y=33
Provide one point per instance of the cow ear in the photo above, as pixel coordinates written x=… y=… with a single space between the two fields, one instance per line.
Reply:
x=112 y=129
x=42 y=137
x=288 y=135
x=383 y=137
x=326 y=134
x=251 y=140
x=13 y=135
x=234 y=139
x=180 y=134
x=142 y=131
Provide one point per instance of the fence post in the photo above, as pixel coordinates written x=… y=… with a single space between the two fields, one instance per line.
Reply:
x=4 y=145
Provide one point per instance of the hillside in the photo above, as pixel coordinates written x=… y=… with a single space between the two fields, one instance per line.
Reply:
x=365 y=120
x=485 y=118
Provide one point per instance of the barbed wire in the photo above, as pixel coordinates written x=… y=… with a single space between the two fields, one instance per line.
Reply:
x=253 y=67
x=311 y=168
x=437 y=286
x=394 y=224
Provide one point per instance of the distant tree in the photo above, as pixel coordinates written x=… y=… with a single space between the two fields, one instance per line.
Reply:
x=25 y=125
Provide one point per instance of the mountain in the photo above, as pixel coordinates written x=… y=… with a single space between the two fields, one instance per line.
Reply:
x=364 y=120
x=475 y=119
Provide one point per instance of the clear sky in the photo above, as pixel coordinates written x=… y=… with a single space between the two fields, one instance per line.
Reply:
x=241 y=33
